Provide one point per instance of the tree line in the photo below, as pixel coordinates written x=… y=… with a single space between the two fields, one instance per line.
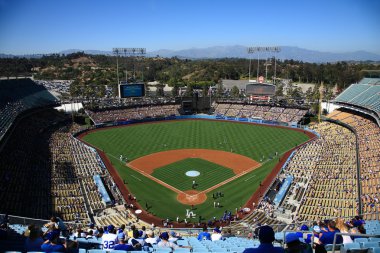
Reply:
x=92 y=73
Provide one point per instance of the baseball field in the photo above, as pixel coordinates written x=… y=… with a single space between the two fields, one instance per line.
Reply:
x=158 y=162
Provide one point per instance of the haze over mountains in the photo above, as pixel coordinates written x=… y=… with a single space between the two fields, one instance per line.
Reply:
x=238 y=51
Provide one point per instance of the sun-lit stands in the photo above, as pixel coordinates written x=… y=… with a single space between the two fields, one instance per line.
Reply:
x=260 y=216
x=221 y=109
x=134 y=113
x=273 y=113
x=368 y=133
x=67 y=196
x=324 y=172
x=332 y=190
x=246 y=111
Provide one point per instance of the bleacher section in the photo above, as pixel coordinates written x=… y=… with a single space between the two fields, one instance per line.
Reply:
x=368 y=133
x=48 y=172
x=137 y=113
x=18 y=95
x=265 y=112
x=324 y=177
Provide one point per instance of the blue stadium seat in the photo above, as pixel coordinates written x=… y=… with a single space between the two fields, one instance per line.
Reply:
x=349 y=246
x=359 y=240
x=96 y=251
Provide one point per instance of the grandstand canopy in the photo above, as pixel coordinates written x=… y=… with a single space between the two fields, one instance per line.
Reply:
x=363 y=95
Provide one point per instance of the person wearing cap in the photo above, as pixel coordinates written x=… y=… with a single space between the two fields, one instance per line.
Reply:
x=109 y=240
x=204 y=235
x=151 y=240
x=122 y=245
x=266 y=237
x=164 y=243
x=327 y=237
x=216 y=234
x=294 y=245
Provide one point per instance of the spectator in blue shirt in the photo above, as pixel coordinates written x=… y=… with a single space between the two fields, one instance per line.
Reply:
x=327 y=237
x=204 y=235
x=266 y=237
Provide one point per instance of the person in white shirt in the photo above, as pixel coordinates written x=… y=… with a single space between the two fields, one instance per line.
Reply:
x=109 y=240
x=216 y=235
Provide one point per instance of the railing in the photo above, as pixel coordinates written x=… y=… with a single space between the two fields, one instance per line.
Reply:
x=359 y=235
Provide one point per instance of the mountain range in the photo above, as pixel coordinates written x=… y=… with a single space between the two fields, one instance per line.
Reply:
x=238 y=51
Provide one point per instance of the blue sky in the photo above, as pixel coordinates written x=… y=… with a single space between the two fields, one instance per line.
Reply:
x=38 y=26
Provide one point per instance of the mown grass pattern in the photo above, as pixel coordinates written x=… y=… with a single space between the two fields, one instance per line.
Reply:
x=255 y=141
x=210 y=174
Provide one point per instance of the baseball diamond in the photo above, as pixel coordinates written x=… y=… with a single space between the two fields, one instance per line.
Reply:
x=151 y=146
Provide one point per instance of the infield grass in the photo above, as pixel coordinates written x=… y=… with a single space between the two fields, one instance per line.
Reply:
x=255 y=141
x=210 y=174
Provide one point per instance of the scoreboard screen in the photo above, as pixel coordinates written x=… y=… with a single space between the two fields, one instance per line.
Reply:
x=132 y=90
x=260 y=89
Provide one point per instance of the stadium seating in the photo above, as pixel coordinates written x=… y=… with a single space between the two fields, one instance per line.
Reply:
x=138 y=112
x=19 y=95
x=368 y=134
x=272 y=113
x=364 y=94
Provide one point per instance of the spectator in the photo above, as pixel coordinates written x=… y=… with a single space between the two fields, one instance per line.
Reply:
x=266 y=237
x=216 y=235
x=294 y=245
x=327 y=237
x=228 y=233
x=53 y=243
x=164 y=243
x=122 y=245
x=109 y=240
x=151 y=240
x=34 y=240
x=343 y=228
x=204 y=235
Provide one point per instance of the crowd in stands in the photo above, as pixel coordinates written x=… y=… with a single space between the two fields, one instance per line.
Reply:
x=19 y=95
x=265 y=112
x=151 y=111
x=57 y=86
x=325 y=176
x=62 y=169
x=368 y=133
x=318 y=237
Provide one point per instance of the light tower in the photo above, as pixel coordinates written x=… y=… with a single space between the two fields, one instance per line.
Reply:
x=252 y=50
x=127 y=51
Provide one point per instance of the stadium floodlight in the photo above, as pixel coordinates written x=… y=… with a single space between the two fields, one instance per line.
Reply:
x=127 y=51
x=252 y=50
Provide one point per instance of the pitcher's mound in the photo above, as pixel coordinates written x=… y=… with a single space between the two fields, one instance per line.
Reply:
x=191 y=197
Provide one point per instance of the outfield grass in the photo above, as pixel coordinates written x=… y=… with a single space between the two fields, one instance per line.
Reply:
x=210 y=174
x=254 y=141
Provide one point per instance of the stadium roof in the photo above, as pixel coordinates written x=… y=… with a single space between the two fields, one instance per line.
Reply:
x=364 y=95
x=370 y=81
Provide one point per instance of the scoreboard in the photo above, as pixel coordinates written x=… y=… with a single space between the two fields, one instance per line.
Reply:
x=128 y=90
x=261 y=89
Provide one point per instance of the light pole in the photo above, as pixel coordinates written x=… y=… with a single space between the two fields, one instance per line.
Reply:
x=127 y=51
x=252 y=50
